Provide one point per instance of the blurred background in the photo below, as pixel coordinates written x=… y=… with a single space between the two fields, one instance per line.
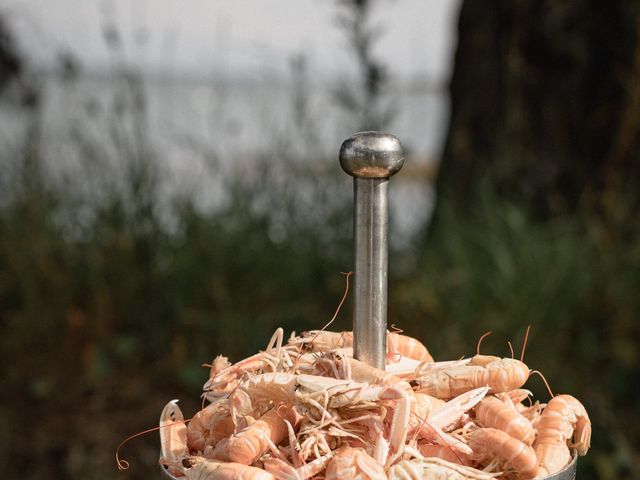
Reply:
x=170 y=191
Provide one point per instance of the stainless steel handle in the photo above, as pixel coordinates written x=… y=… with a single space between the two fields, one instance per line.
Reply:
x=371 y=158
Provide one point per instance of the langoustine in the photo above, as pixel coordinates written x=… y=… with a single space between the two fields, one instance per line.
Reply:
x=307 y=408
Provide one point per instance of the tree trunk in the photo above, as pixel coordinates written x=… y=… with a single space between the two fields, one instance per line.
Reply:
x=545 y=99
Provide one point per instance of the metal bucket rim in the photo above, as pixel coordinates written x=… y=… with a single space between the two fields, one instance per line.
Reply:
x=567 y=473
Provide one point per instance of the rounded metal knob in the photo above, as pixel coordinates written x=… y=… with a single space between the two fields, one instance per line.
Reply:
x=371 y=155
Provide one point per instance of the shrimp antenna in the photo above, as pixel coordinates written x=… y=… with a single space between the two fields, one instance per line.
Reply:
x=480 y=342
x=344 y=297
x=279 y=409
x=123 y=464
x=544 y=380
x=335 y=315
x=423 y=423
x=395 y=329
x=510 y=348
x=524 y=345
x=242 y=380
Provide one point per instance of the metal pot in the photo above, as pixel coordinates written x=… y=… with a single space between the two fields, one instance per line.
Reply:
x=568 y=473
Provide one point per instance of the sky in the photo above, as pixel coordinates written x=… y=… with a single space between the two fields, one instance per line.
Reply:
x=237 y=37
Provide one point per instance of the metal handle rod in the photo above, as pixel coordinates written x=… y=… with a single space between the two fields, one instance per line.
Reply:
x=371 y=158
x=370 y=230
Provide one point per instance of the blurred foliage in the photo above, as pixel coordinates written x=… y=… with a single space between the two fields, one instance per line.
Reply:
x=545 y=101
x=114 y=293
x=364 y=96
x=494 y=268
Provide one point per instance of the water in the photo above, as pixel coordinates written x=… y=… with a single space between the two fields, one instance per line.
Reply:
x=196 y=126
x=242 y=116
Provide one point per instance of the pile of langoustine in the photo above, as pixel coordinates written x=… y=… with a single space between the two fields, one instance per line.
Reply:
x=307 y=409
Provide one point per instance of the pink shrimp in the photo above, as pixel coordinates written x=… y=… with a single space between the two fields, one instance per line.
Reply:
x=422 y=407
x=447 y=415
x=251 y=443
x=564 y=424
x=209 y=426
x=435 y=469
x=283 y=471
x=492 y=412
x=199 y=468
x=513 y=455
x=399 y=346
x=354 y=463
x=225 y=378
x=362 y=372
x=219 y=363
x=444 y=452
x=323 y=340
x=451 y=380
